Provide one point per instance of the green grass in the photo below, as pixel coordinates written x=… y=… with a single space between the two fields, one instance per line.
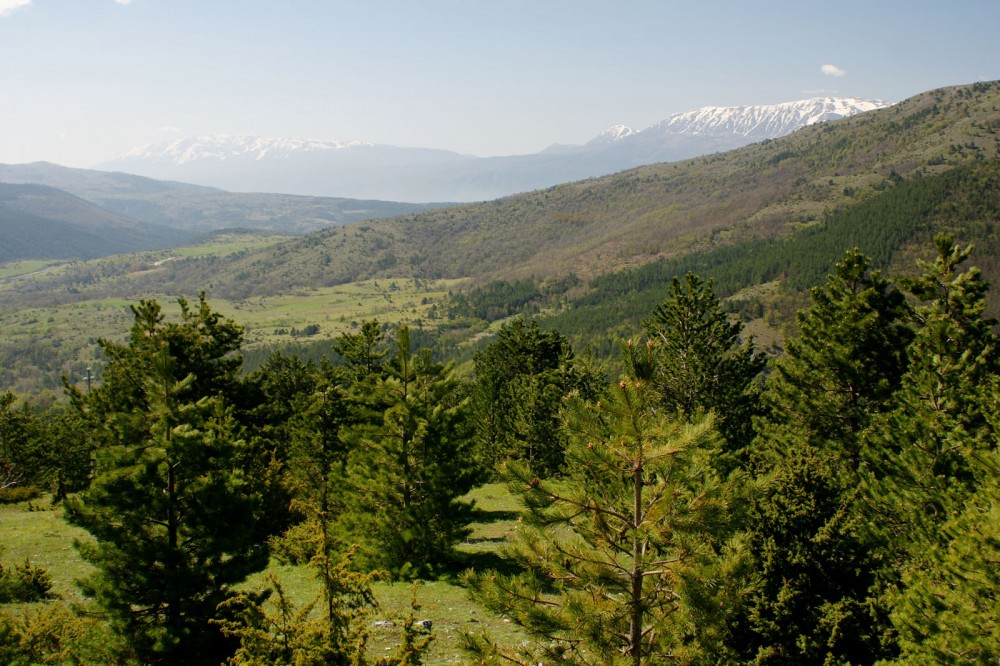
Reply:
x=223 y=245
x=36 y=532
x=15 y=269
x=63 y=336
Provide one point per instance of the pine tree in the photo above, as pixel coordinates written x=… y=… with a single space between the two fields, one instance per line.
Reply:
x=624 y=556
x=948 y=610
x=819 y=597
x=931 y=481
x=846 y=362
x=408 y=468
x=164 y=485
x=520 y=381
x=704 y=365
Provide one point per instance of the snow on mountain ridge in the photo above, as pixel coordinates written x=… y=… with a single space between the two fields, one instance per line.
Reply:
x=769 y=120
x=224 y=146
x=612 y=134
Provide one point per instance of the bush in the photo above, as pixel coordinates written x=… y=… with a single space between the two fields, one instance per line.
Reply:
x=18 y=494
x=24 y=583
x=54 y=634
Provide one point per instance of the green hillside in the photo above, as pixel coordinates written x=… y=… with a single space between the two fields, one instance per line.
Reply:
x=40 y=222
x=764 y=222
x=635 y=217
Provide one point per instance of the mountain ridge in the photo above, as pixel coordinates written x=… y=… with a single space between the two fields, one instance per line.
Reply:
x=587 y=228
x=184 y=207
x=360 y=169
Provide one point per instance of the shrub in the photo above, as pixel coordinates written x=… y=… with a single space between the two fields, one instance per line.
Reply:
x=24 y=583
x=17 y=494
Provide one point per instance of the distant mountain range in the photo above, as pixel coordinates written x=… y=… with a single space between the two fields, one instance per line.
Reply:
x=49 y=211
x=363 y=170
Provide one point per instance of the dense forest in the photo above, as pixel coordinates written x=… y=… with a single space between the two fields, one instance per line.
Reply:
x=837 y=504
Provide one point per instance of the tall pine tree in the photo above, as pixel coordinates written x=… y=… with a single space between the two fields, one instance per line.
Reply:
x=627 y=558
x=165 y=485
x=932 y=471
x=818 y=600
x=702 y=364
x=409 y=467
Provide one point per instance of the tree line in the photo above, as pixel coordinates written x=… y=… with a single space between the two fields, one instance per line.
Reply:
x=838 y=504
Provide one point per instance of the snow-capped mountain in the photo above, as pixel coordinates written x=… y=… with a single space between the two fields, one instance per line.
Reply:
x=221 y=147
x=612 y=134
x=358 y=169
x=764 y=122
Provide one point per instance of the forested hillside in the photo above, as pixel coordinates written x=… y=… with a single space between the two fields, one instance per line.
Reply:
x=764 y=223
x=599 y=226
x=711 y=504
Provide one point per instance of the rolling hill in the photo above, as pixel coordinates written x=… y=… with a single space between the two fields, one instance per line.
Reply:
x=197 y=209
x=589 y=228
x=41 y=222
x=765 y=221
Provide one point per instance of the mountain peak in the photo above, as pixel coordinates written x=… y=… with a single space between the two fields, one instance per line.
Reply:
x=765 y=120
x=613 y=134
x=232 y=146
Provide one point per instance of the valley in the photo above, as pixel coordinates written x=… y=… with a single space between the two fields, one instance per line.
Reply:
x=739 y=408
x=710 y=214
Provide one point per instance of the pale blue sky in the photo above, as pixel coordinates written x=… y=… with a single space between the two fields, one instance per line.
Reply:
x=84 y=80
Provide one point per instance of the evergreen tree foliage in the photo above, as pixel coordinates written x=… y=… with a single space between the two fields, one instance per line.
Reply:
x=703 y=365
x=408 y=468
x=817 y=571
x=932 y=476
x=920 y=454
x=520 y=381
x=819 y=598
x=362 y=352
x=844 y=365
x=41 y=450
x=165 y=484
x=272 y=630
x=948 y=611
x=627 y=559
x=19 y=444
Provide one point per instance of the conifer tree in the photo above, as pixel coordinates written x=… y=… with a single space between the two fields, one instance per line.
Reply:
x=818 y=563
x=846 y=362
x=702 y=364
x=408 y=468
x=173 y=523
x=920 y=455
x=627 y=558
x=948 y=607
x=932 y=471
x=520 y=381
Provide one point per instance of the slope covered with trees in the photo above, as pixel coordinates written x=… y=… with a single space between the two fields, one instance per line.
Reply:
x=838 y=506
x=668 y=210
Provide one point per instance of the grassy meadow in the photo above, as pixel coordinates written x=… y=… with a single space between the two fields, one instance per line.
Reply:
x=35 y=531
x=61 y=330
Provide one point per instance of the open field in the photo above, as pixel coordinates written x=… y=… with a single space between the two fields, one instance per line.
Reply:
x=59 y=339
x=37 y=532
x=16 y=269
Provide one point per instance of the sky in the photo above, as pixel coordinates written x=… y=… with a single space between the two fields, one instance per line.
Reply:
x=82 y=81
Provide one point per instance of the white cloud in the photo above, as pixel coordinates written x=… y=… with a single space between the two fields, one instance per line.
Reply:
x=168 y=129
x=8 y=6
x=124 y=2
x=832 y=70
